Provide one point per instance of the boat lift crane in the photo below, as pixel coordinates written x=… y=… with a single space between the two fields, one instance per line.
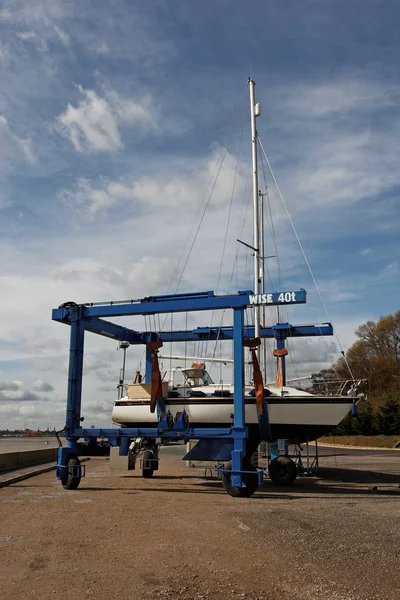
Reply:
x=92 y=317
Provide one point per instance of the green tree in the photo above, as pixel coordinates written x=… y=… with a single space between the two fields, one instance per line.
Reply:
x=375 y=356
x=389 y=417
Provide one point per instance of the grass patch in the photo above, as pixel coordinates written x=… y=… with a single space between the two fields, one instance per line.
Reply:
x=370 y=441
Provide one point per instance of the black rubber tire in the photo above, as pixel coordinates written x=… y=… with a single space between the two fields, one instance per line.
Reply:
x=68 y=480
x=146 y=473
x=254 y=459
x=249 y=479
x=282 y=470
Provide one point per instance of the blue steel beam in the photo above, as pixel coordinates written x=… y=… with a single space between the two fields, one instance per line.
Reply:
x=117 y=332
x=281 y=330
x=111 y=330
x=152 y=432
x=183 y=303
x=226 y=333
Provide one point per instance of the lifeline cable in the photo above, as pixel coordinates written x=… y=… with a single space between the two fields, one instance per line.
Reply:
x=304 y=255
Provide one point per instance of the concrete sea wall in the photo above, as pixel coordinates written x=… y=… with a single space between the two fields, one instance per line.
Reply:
x=12 y=460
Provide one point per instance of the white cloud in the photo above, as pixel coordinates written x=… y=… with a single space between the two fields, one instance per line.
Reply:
x=341 y=96
x=90 y=199
x=91 y=126
x=9 y=386
x=390 y=273
x=5 y=14
x=64 y=38
x=42 y=386
x=30 y=37
x=347 y=169
x=42 y=18
x=5 y=54
x=339 y=148
x=94 y=124
x=18 y=396
x=103 y=48
x=339 y=290
x=12 y=146
x=27 y=36
x=187 y=191
x=42 y=12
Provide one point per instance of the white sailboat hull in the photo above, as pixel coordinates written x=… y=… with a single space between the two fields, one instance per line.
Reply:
x=295 y=417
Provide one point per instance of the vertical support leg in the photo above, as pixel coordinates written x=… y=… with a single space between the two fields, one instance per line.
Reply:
x=238 y=401
x=75 y=369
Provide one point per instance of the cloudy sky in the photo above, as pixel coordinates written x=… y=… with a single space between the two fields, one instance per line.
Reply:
x=124 y=131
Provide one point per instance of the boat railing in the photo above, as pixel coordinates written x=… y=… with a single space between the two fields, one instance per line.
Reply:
x=339 y=387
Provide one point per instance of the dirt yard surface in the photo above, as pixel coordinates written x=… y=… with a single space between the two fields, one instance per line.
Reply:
x=181 y=536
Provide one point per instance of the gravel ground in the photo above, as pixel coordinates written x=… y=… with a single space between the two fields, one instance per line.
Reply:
x=180 y=536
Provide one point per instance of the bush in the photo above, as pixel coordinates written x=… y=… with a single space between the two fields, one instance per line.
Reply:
x=373 y=420
x=388 y=417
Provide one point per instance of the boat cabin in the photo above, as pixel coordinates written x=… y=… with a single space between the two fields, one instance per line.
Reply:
x=193 y=377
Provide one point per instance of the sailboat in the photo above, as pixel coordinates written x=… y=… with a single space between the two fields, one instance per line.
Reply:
x=294 y=415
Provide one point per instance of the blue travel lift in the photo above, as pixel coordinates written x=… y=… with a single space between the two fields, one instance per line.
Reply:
x=240 y=479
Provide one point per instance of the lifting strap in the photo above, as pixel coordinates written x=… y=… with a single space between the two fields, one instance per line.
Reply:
x=156 y=384
x=279 y=375
x=262 y=407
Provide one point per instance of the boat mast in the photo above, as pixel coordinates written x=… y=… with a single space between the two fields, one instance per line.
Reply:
x=255 y=111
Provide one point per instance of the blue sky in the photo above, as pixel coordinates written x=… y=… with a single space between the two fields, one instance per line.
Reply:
x=113 y=119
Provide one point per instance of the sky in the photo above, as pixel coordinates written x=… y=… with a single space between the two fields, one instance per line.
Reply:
x=125 y=171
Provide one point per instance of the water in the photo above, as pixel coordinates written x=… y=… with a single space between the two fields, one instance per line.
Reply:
x=26 y=443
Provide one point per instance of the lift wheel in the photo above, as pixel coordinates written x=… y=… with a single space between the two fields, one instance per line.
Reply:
x=71 y=475
x=249 y=479
x=282 y=470
x=148 y=464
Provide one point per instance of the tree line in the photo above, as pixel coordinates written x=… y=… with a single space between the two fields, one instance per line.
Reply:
x=375 y=360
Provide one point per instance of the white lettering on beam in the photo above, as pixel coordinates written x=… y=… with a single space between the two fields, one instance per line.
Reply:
x=284 y=297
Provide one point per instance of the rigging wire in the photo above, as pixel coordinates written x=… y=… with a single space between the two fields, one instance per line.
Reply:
x=210 y=195
x=304 y=254
x=226 y=239
x=285 y=309
x=235 y=263
x=271 y=226
x=230 y=209
x=215 y=170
